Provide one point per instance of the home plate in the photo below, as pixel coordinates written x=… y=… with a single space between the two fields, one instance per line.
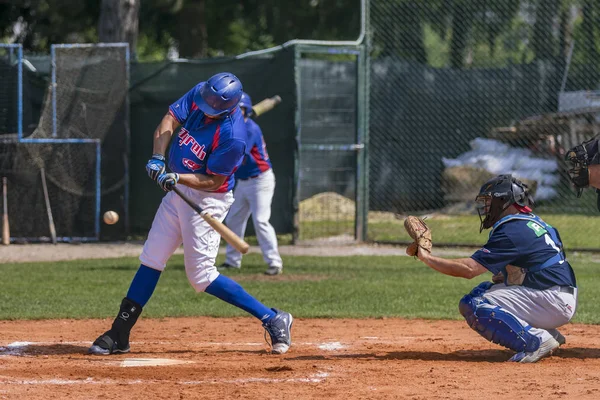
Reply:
x=151 y=362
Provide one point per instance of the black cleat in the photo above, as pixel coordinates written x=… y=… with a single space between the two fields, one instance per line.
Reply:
x=105 y=345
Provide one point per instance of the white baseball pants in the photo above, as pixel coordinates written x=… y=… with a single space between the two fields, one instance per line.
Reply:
x=254 y=197
x=175 y=223
x=544 y=310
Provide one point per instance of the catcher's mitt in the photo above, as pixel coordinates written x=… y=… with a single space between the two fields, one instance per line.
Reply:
x=579 y=158
x=420 y=233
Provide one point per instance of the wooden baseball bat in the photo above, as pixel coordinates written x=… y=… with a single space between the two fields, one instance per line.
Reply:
x=234 y=240
x=5 y=227
x=48 y=208
x=266 y=105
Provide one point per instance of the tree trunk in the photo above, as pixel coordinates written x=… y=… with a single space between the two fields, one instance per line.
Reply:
x=544 y=43
x=410 y=43
x=462 y=20
x=119 y=22
x=193 y=34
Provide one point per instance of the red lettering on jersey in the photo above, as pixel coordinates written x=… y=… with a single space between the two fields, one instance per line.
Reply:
x=202 y=154
x=183 y=135
x=189 y=164
x=185 y=139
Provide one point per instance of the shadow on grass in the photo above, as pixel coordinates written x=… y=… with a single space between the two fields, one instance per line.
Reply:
x=113 y=268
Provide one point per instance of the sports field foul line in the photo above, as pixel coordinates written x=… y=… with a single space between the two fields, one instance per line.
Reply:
x=20 y=348
x=314 y=378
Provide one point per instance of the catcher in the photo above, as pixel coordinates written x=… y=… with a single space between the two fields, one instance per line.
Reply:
x=533 y=290
x=584 y=166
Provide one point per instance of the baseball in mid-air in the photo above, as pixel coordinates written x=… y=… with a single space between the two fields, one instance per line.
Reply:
x=111 y=217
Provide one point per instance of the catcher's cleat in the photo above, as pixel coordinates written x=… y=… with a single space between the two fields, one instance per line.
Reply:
x=105 y=345
x=558 y=336
x=274 y=270
x=545 y=350
x=279 y=329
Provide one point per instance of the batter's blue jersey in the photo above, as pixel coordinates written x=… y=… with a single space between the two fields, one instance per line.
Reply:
x=206 y=145
x=256 y=160
x=526 y=241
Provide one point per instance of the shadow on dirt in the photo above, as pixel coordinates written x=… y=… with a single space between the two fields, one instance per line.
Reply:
x=578 y=353
x=456 y=356
x=48 y=350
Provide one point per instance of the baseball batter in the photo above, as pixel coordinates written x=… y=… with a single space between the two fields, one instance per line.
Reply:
x=203 y=158
x=253 y=196
x=534 y=289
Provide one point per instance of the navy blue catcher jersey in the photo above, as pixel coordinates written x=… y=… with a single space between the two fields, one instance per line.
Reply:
x=526 y=241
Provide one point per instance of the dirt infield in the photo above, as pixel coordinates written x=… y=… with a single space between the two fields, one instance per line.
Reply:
x=334 y=359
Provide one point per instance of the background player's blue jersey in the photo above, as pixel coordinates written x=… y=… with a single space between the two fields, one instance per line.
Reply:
x=527 y=244
x=205 y=145
x=256 y=160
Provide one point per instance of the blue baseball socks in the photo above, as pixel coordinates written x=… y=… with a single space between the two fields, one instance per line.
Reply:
x=231 y=292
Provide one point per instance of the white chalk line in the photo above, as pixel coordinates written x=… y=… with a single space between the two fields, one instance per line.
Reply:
x=314 y=378
x=19 y=348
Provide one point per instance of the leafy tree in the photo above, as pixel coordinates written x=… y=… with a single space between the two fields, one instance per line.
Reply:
x=38 y=23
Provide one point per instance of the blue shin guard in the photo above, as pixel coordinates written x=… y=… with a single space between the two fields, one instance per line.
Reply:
x=495 y=324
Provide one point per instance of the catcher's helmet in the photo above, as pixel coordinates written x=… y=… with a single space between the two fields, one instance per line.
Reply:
x=246 y=104
x=499 y=193
x=219 y=95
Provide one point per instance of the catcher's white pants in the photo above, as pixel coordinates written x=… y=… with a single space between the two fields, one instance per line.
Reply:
x=544 y=310
x=175 y=223
x=254 y=197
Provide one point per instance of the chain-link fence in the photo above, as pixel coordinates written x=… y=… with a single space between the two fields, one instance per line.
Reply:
x=329 y=141
x=461 y=91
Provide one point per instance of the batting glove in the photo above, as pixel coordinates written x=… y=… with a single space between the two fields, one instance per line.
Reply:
x=156 y=166
x=167 y=181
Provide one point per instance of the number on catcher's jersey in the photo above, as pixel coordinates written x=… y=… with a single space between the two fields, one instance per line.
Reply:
x=551 y=243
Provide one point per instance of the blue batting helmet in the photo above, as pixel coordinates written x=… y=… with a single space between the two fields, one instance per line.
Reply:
x=246 y=103
x=219 y=95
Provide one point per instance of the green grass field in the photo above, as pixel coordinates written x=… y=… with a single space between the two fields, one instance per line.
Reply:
x=577 y=231
x=322 y=287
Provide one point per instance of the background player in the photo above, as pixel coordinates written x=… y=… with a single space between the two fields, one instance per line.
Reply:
x=255 y=186
x=208 y=149
x=539 y=291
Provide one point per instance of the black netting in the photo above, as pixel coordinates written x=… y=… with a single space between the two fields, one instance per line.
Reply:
x=83 y=115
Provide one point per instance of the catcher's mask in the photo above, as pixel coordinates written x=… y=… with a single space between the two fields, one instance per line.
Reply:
x=496 y=195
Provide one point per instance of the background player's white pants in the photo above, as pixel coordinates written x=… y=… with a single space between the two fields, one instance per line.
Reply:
x=544 y=310
x=254 y=196
x=175 y=223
